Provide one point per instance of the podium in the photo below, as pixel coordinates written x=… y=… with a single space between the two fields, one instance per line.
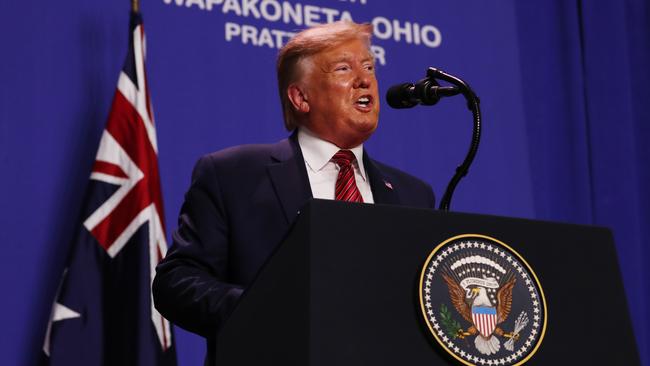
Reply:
x=342 y=289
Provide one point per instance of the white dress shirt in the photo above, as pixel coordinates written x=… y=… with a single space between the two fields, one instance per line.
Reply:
x=322 y=172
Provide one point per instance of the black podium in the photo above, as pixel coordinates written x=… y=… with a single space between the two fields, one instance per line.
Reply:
x=342 y=290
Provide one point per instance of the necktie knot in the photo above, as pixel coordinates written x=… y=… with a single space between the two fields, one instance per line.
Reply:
x=343 y=158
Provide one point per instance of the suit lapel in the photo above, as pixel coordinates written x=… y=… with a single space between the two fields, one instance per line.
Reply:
x=289 y=176
x=383 y=190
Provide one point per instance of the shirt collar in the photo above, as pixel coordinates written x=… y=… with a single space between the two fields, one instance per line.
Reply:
x=318 y=152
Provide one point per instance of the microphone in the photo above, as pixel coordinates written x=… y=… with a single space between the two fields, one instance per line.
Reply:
x=426 y=92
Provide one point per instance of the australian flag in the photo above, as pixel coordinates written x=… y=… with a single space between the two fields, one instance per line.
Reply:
x=103 y=313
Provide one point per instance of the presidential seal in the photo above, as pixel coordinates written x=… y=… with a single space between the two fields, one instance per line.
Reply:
x=482 y=302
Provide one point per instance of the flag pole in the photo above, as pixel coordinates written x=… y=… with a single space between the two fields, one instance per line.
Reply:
x=135 y=6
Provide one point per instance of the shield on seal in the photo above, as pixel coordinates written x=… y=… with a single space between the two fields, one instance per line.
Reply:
x=485 y=319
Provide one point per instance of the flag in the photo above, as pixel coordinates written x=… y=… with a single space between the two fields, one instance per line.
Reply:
x=103 y=311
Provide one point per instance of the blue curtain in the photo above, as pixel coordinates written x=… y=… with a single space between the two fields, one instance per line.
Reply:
x=585 y=74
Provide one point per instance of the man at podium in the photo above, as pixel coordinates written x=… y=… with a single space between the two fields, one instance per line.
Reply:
x=243 y=200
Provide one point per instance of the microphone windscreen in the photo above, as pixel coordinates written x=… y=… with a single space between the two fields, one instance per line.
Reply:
x=399 y=96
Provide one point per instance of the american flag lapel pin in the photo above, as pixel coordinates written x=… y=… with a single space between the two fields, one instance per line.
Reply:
x=388 y=185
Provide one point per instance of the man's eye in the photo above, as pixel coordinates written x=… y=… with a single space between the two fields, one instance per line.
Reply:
x=369 y=67
x=342 y=68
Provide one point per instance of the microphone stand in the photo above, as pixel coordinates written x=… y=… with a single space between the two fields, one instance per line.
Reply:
x=473 y=105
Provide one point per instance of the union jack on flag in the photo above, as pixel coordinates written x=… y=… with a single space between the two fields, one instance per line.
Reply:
x=103 y=313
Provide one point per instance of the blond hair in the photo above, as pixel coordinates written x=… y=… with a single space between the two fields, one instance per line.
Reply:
x=308 y=43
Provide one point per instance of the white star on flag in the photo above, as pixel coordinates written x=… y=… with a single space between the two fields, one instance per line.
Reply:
x=59 y=312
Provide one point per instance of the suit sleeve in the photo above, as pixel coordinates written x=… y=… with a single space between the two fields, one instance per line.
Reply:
x=190 y=287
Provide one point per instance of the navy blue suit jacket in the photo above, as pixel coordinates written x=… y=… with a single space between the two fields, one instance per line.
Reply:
x=240 y=205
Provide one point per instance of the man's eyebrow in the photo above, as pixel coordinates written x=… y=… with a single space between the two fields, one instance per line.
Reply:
x=348 y=58
x=343 y=58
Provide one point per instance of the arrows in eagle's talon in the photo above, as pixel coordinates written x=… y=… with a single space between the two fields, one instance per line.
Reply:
x=512 y=335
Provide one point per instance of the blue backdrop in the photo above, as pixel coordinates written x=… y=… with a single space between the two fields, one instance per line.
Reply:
x=563 y=86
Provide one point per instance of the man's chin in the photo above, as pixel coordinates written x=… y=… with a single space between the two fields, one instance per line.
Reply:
x=366 y=127
x=360 y=133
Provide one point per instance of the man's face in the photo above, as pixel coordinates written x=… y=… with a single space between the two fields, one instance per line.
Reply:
x=341 y=92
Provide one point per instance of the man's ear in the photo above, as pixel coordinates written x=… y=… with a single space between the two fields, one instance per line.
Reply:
x=298 y=98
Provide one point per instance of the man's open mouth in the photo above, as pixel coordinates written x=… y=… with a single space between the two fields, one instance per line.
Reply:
x=364 y=101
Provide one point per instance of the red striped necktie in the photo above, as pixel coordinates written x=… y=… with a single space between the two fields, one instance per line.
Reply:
x=346 y=186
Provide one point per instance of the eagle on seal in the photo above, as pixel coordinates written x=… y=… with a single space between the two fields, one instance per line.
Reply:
x=475 y=306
